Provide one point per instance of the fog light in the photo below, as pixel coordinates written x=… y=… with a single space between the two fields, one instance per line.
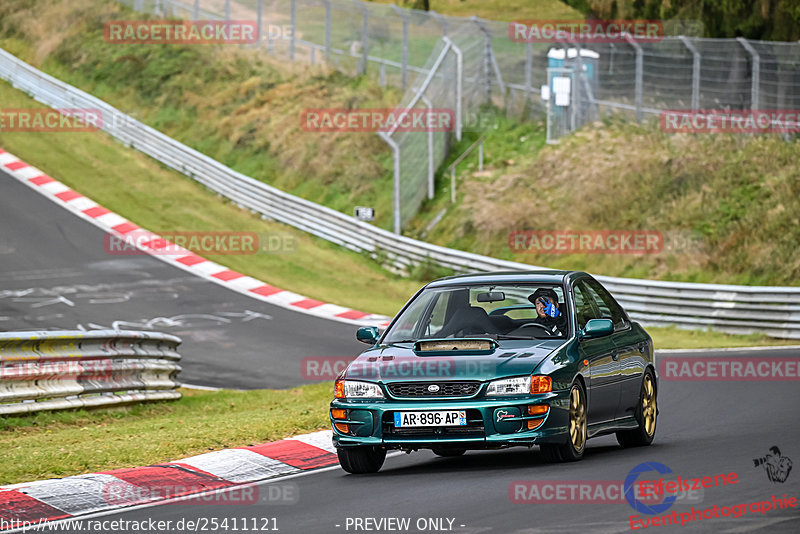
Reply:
x=535 y=423
x=339 y=413
x=342 y=427
x=539 y=409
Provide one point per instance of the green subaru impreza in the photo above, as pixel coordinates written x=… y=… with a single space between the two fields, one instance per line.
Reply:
x=485 y=361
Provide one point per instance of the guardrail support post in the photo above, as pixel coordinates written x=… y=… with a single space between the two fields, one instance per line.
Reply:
x=137 y=5
x=227 y=9
x=196 y=10
x=695 y=72
x=480 y=156
x=755 y=77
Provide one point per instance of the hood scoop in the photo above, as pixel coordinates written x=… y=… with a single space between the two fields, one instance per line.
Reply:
x=459 y=346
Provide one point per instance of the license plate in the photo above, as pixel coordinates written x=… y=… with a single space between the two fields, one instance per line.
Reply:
x=438 y=418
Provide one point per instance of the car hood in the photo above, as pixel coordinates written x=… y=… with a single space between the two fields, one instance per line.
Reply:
x=399 y=362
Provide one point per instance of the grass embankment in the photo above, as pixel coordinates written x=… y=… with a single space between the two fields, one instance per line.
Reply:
x=58 y=444
x=727 y=205
x=506 y=10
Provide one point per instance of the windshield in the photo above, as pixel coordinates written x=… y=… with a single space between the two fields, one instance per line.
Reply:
x=510 y=311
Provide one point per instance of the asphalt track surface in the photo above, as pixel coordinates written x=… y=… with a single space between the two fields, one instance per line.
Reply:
x=704 y=429
x=56 y=274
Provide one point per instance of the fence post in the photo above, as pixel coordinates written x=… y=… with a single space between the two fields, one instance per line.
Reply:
x=227 y=9
x=157 y=9
x=137 y=5
x=755 y=72
x=404 y=61
x=327 y=29
x=459 y=83
x=439 y=18
x=695 y=72
x=293 y=23
x=639 y=67
x=258 y=22
x=431 y=191
x=382 y=74
x=196 y=10
x=364 y=36
x=396 y=187
x=528 y=71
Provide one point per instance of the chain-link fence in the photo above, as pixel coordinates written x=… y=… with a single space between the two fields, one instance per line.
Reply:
x=401 y=47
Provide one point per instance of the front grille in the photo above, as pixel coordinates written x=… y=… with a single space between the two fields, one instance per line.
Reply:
x=473 y=428
x=446 y=389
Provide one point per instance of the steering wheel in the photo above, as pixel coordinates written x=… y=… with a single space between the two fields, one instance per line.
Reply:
x=543 y=327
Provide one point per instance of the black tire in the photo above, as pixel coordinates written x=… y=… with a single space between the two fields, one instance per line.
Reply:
x=573 y=449
x=646 y=415
x=361 y=460
x=447 y=453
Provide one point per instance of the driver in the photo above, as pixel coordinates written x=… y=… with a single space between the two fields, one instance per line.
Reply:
x=548 y=311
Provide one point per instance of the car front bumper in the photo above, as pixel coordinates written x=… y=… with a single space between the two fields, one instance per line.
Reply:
x=372 y=422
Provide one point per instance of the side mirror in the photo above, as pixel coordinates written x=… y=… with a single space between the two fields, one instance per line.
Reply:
x=369 y=334
x=597 y=328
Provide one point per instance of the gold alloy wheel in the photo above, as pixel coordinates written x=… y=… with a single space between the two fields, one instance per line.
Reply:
x=649 y=405
x=577 y=418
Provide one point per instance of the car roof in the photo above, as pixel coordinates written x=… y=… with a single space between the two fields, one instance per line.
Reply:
x=544 y=276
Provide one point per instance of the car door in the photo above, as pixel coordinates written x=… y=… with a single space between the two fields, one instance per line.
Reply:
x=631 y=351
x=602 y=376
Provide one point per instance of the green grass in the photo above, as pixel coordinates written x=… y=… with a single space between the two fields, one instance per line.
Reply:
x=505 y=10
x=677 y=338
x=57 y=444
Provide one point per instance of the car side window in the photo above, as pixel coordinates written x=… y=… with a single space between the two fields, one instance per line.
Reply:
x=608 y=307
x=584 y=305
x=436 y=320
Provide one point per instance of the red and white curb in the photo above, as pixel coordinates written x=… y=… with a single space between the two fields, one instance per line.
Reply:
x=227 y=469
x=184 y=259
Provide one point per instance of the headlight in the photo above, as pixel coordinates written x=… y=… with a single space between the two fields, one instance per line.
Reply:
x=354 y=389
x=521 y=385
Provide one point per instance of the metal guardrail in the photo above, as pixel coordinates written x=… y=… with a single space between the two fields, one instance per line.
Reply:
x=75 y=369
x=774 y=311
